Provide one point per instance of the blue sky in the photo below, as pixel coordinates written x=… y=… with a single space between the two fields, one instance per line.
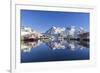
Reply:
x=41 y=21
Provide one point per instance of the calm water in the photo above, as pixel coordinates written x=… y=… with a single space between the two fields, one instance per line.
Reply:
x=59 y=50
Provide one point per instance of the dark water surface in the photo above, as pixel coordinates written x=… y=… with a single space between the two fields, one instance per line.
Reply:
x=59 y=50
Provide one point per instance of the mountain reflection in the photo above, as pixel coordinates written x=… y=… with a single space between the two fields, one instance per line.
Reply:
x=72 y=45
x=55 y=38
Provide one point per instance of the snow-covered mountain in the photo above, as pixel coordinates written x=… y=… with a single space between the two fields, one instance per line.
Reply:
x=29 y=33
x=55 y=30
x=64 y=32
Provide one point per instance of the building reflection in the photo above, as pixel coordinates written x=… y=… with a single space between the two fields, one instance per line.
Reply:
x=26 y=46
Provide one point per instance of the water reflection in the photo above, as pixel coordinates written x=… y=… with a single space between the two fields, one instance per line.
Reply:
x=27 y=46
